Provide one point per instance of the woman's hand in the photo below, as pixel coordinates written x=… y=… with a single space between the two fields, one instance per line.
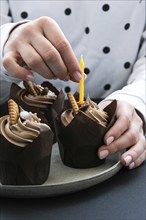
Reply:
x=42 y=46
x=127 y=133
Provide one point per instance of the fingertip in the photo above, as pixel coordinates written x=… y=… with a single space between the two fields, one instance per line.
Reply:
x=131 y=166
x=103 y=154
x=24 y=73
x=126 y=160
x=19 y=72
x=76 y=76
x=109 y=140
x=29 y=77
x=85 y=76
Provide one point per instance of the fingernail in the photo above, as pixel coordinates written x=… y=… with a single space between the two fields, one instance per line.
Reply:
x=103 y=154
x=131 y=166
x=128 y=160
x=29 y=77
x=109 y=140
x=85 y=76
x=77 y=76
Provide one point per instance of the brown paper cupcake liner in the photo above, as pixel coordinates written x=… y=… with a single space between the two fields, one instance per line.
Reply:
x=29 y=165
x=45 y=115
x=79 y=141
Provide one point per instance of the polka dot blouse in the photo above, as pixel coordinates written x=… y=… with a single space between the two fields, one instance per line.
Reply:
x=109 y=34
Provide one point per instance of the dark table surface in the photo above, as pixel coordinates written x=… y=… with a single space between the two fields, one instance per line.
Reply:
x=122 y=197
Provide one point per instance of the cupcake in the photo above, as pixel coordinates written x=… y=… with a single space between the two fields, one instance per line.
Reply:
x=80 y=132
x=26 y=146
x=39 y=98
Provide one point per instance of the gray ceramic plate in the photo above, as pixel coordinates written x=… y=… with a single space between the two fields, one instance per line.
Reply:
x=63 y=180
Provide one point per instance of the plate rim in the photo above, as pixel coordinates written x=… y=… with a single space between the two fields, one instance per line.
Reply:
x=48 y=190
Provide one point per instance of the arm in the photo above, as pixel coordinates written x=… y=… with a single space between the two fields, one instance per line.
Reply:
x=128 y=131
x=40 y=45
x=4 y=31
x=134 y=91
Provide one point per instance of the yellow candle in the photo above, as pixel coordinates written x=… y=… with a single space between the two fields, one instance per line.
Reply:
x=81 y=88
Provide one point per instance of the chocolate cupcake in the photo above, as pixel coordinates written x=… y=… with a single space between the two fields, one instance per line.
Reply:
x=26 y=146
x=80 y=132
x=39 y=98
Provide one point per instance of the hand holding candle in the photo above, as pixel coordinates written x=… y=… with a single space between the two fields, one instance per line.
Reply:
x=81 y=88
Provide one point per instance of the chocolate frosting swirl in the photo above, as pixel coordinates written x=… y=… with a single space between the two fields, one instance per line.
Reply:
x=90 y=109
x=23 y=132
x=40 y=101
